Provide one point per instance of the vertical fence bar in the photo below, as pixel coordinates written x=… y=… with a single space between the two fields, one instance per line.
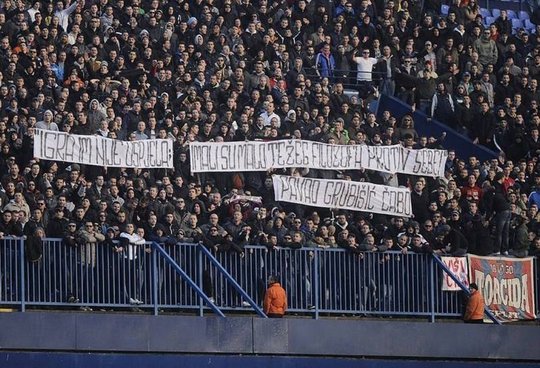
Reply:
x=4 y=273
x=432 y=290
x=155 y=281
x=316 y=282
x=200 y=279
x=22 y=275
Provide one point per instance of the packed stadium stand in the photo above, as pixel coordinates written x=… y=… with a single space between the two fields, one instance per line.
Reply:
x=162 y=158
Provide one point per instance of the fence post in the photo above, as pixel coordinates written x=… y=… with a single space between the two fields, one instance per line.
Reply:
x=316 y=282
x=22 y=279
x=432 y=290
x=155 y=281
x=200 y=278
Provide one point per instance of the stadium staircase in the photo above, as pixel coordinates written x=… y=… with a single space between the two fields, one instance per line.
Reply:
x=189 y=279
x=425 y=126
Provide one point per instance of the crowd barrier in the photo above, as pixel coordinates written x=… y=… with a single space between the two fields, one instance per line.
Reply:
x=318 y=281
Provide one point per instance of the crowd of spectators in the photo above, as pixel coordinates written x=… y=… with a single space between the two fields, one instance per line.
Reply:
x=235 y=70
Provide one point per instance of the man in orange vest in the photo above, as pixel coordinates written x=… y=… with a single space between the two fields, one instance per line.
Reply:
x=275 y=299
x=474 y=313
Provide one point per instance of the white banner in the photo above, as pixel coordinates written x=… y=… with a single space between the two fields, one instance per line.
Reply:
x=100 y=151
x=262 y=156
x=343 y=194
x=458 y=267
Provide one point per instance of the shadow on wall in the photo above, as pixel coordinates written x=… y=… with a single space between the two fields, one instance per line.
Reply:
x=463 y=146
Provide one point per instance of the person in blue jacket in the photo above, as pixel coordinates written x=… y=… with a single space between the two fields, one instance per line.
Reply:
x=325 y=62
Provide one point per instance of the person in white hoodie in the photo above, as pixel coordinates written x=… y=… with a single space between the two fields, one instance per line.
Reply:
x=132 y=246
x=48 y=122
x=63 y=14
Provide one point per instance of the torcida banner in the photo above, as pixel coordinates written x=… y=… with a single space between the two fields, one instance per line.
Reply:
x=100 y=151
x=343 y=194
x=507 y=285
x=263 y=156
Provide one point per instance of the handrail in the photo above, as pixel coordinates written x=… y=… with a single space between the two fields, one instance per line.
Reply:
x=463 y=287
x=228 y=276
x=354 y=71
x=188 y=279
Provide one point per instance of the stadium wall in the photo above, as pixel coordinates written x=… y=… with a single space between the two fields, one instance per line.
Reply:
x=77 y=336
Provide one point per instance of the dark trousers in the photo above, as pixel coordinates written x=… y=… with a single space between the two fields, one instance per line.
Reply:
x=502 y=230
x=365 y=88
x=477 y=321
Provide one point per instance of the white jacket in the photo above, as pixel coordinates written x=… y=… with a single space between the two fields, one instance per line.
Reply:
x=134 y=241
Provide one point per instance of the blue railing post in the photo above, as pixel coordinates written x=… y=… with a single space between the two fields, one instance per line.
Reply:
x=22 y=275
x=155 y=281
x=200 y=273
x=432 y=291
x=316 y=282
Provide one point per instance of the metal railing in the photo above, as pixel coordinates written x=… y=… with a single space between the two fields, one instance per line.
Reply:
x=348 y=77
x=317 y=281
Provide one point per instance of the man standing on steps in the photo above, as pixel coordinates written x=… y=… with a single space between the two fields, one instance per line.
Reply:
x=442 y=106
x=474 y=313
x=275 y=299
x=364 y=79
x=498 y=210
x=387 y=66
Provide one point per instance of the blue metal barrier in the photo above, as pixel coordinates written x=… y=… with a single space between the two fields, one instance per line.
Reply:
x=186 y=278
x=11 y=289
x=231 y=280
x=317 y=281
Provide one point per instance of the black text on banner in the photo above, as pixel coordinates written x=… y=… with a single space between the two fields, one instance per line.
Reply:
x=343 y=194
x=263 y=156
x=100 y=151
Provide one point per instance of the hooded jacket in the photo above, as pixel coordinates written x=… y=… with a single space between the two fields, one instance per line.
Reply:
x=275 y=300
x=475 y=307
x=487 y=50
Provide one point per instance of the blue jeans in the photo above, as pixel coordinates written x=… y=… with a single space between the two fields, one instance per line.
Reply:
x=502 y=230
x=387 y=87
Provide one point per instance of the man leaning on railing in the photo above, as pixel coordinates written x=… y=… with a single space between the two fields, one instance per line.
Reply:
x=450 y=241
x=87 y=239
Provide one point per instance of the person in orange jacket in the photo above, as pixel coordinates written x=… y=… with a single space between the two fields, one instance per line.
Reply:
x=474 y=313
x=275 y=299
